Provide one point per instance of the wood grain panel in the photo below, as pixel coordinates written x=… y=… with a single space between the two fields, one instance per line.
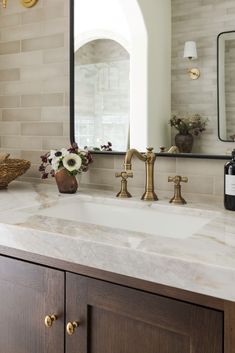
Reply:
x=119 y=319
x=27 y=294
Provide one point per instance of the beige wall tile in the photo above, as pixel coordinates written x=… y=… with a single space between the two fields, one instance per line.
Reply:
x=21 y=114
x=55 y=142
x=200 y=167
x=21 y=60
x=19 y=87
x=42 y=100
x=44 y=72
x=66 y=129
x=33 y=172
x=56 y=55
x=41 y=129
x=9 y=128
x=13 y=153
x=10 y=47
x=32 y=156
x=33 y=16
x=53 y=41
x=22 y=142
x=57 y=84
x=22 y=32
x=10 y=20
x=103 y=163
x=9 y=101
x=59 y=114
x=10 y=75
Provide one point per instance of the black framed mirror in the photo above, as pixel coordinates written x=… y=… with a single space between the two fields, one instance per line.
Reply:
x=225 y=85
x=91 y=70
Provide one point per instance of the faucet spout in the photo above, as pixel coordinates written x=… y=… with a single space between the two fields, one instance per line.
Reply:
x=129 y=155
x=149 y=158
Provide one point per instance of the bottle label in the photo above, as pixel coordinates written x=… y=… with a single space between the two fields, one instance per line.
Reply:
x=230 y=185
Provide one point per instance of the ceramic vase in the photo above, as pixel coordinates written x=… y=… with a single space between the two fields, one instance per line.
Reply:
x=67 y=184
x=184 y=143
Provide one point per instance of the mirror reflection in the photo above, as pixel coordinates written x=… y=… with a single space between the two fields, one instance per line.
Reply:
x=226 y=82
x=102 y=95
x=143 y=81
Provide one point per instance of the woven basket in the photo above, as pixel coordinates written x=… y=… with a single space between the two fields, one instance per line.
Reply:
x=10 y=169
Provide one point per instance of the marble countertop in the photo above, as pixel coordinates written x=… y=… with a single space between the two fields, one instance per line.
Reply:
x=203 y=263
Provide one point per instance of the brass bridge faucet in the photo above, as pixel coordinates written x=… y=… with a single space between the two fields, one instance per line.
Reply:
x=177 y=198
x=149 y=159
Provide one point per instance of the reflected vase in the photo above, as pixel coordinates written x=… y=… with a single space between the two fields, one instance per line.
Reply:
x=67 y=184
x=184 y=143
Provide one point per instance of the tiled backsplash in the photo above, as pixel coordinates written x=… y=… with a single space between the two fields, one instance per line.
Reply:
x=205 y=176
x=34 y=81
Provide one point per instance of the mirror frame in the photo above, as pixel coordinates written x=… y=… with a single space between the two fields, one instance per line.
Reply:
x=218 y=82
x=72 y=101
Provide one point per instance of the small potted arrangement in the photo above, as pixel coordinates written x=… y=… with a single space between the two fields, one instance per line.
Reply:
x=188 y=126
x=64 y=165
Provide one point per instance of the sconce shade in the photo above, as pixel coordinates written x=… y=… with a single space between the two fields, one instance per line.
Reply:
x=190 y=50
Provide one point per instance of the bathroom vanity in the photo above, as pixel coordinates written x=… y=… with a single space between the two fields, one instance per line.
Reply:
x=67 y=285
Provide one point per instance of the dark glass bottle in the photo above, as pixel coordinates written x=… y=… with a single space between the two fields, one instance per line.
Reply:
x=229 y=184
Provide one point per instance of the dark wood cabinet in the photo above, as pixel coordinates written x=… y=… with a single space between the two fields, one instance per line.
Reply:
x=28 y=293
x=111 y=317
x=116 y=319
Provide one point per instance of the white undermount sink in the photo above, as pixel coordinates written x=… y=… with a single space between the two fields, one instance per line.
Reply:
x=151 y=220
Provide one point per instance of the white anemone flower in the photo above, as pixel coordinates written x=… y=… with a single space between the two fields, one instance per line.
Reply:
x=72 y=162
x=55 y=165
x=55 y=157
x=64 y=152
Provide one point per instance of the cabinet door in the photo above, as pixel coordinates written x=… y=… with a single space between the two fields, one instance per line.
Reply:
x=27 y=294
x=116 y=319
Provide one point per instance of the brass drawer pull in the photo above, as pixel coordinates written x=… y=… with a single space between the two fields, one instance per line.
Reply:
x=49 y=319
x=71 y=327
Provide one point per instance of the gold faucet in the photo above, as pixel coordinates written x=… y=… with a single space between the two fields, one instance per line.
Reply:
x=177 y=180
x=149 y=159
x=124 y=193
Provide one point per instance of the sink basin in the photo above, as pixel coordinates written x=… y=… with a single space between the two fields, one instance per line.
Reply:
x=145 y=219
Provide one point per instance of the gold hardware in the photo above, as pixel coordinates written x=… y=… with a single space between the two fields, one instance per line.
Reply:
x=123 y=193
x=149 y=158
x=71 y=327
x=29 y=3
x=194 y=74
x=25 y=3
x=49 y=320
x=177 y=198
x=162 y=149
x=172 y=149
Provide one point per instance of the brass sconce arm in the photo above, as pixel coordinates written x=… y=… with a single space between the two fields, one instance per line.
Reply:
x=194 y=73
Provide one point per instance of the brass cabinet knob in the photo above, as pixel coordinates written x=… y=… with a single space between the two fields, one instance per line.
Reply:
x=71 y=327
x=49 y=319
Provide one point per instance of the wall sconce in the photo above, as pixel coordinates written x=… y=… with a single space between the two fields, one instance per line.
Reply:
x=190 y=52
x=25 y=3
